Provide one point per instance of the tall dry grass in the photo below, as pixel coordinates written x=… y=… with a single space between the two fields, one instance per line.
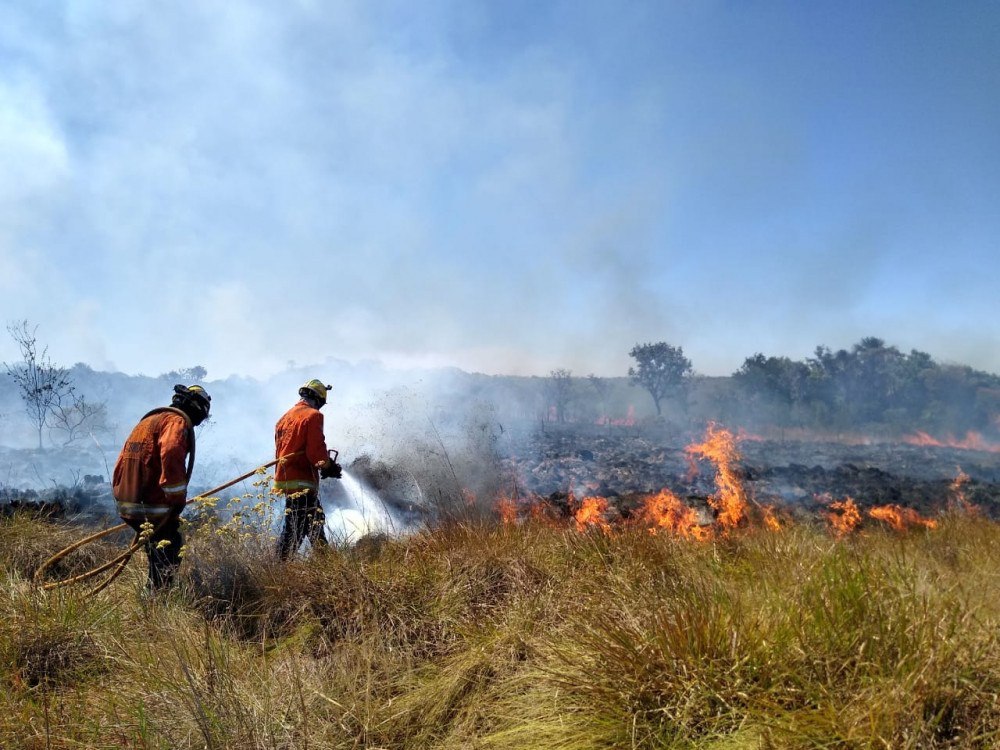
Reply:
x=484 y=636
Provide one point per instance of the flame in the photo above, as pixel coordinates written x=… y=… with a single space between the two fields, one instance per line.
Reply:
x=506 y=508
x=901 y=518
x=667 y=512
x=539 y=511
x=771 y=522
x=957 y=485
x=591 y=513
x=628 y=421
x=844 y=516
x=956 y=495
x=806 y=435
x=730 y=498
x=972 y=441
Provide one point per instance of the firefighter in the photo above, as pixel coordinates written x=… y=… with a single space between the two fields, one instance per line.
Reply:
x=299 y=440
x=152 y=474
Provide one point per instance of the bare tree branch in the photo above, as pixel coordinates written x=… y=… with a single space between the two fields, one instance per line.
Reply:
x=41 y=384
x=75 y=417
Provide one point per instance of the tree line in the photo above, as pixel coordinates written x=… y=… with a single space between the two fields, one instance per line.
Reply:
x=871 y=386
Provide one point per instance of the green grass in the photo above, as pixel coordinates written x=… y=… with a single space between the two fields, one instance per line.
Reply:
x=482 y=636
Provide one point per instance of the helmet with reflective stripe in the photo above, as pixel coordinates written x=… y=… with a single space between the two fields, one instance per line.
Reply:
x=316 y=390
x=194 y=400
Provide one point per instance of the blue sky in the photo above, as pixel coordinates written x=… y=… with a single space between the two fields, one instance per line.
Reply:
x=504 y=186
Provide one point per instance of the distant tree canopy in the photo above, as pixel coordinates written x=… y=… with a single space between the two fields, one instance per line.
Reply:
x=187 y=375
x=660 y=368
x=560 y=391
x=602 y=387
x=871 y=384
x=774 y=385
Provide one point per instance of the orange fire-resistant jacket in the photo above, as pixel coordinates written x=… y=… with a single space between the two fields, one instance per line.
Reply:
x=300 y=430
x=151 y=478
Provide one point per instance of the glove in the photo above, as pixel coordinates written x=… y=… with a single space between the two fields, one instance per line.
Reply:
x=331 y=470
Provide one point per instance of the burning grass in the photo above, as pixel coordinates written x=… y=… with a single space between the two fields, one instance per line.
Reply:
x=725 y=626
x=732 y=505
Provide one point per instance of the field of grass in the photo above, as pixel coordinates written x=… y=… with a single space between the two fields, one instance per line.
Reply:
x=518 y=636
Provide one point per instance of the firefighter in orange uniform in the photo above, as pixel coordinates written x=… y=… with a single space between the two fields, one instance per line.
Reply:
x=152 y=474
x=300 y=432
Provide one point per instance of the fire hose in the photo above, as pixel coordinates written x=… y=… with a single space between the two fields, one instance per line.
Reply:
x=140 y=538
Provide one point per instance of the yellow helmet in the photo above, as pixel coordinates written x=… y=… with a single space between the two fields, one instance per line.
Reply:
x=315 y=389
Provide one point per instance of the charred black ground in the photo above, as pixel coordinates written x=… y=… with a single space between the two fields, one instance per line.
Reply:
x=801 y=476
x=624 y=463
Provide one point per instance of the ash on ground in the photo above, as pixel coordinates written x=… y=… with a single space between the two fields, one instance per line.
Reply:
x=620 y=463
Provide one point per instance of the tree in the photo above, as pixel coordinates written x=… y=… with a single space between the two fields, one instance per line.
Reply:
x=773 y=386
x=79 y=417
x=871 y=384
x=660 y=369
x=560 y=391
x=603 y=388
x=194 y=374
x=42 y=385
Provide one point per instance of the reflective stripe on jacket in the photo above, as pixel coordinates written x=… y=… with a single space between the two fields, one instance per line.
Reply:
x=300 y=430
x=151 y=478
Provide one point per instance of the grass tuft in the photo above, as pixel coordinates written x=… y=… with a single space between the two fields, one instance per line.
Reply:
x=529 y=636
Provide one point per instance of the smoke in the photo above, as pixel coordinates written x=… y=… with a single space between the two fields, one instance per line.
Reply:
x=416 y=444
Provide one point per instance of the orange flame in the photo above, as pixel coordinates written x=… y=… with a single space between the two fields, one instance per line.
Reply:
x=901 y=518
x=771 y=522
x=730 y=498
x=628 y=421
x=591 y=513
x=665 y=511
x=956 y=495
x=506 y=508
x=805 y=435
x=972 y=441
x=844 y=516
x=541 y=512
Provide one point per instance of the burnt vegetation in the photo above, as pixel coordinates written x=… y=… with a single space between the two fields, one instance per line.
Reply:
x=594 y=564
